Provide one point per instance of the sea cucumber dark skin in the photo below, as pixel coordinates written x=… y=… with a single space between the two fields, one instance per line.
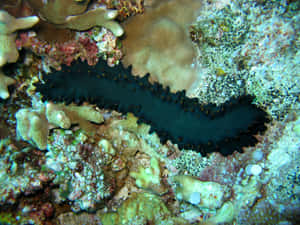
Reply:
x=173 y=116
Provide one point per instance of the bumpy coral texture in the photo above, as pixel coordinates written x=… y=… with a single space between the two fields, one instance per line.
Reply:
x=8 y=50
x=76 y=15
x=33 y=124
x=161 y=45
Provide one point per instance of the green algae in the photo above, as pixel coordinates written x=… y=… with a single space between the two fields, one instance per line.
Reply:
x=141 y=208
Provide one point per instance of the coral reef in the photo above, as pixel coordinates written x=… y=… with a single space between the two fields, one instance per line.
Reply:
x=204 y=128
x=8 y=50
x=77 y=165
x=33 y=124
x=161 y=46
x=249 y=51
x=5 y=81
x=8 y=26
x=126 y=8
x=75 y=15
x=114 y=170
x=89 y=46
x=140 y=209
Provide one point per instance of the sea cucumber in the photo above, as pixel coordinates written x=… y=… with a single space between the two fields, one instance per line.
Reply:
x=173 y=116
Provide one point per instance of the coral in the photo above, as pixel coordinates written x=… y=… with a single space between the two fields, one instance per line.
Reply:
x=11 y=218
x=5 y=81
x=108 y=46
x=146 y=177
x=8 y=26
x=202 y=193
x=8 y=50
x=161 y=46
x=192 y=163
x=56 y=11
x=19 y=172
x=75 y=15
x=149 y=177
x=252 y=51
x=87 y=46
x=95 y=17
x=219 y=35
x=33 y=124
x=77 y=165
x=272 y=50
x=140 y=209
x=126 y=8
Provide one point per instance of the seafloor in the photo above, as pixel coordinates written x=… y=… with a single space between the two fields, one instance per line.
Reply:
x=70 y=164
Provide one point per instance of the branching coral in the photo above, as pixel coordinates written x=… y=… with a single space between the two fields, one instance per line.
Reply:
x=76 y=15
x=19 y=172
x=8 y=26
x=8 y=49
x=4 y=83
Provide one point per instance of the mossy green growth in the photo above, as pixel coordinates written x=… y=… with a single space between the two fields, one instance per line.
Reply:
x=148 y=176
x=141 y=208
x=7 y=218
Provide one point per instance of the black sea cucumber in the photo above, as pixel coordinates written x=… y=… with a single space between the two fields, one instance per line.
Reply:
x=205 y=128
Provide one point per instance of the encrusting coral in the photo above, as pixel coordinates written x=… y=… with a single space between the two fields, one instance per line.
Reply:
x=8 y=50
x=33 y=124
x=139 y=209
x=76 y=15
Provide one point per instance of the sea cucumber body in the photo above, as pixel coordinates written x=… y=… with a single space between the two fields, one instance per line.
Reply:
x=172 y=115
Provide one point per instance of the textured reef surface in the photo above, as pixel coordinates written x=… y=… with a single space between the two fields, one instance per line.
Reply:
x=173 y=116
x=87 y=140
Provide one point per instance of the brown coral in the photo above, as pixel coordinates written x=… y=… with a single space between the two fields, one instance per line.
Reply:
x=76 y=15
x=161 y=44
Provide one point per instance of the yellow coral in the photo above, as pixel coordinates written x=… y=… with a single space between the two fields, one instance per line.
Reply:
x=4 y=83
x=33 y=124
x=8 y=25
